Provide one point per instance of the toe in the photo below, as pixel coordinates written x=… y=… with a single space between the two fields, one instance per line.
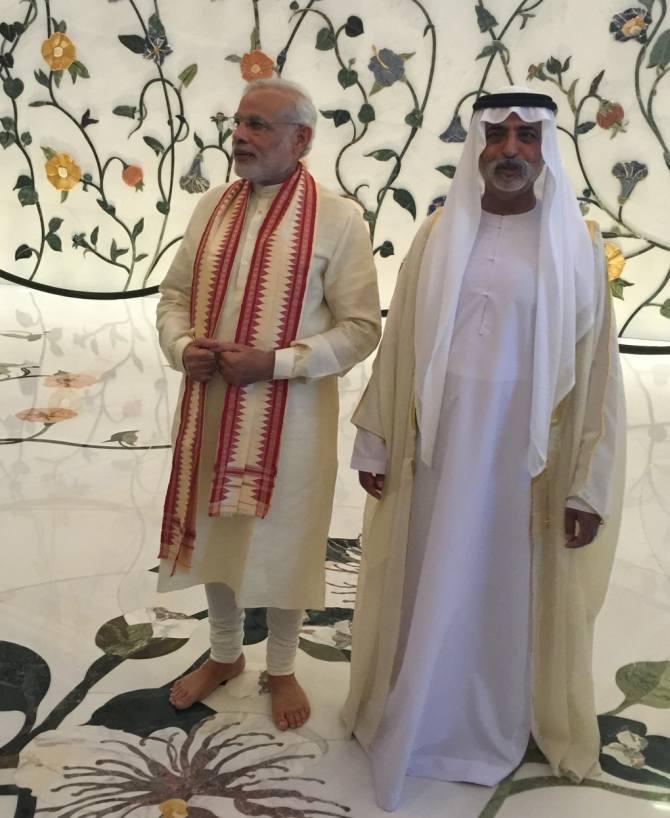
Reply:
x=181 y=699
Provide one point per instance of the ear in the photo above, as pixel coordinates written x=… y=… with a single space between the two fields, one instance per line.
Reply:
x=303 y=136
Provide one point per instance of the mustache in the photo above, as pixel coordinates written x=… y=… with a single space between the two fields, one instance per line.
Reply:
x=519 y=165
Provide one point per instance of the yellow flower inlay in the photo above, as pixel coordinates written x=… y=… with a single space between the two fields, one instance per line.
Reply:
x=173 y=808
x=631 y=28
x=615 y=260
x=58 y=51
x=62 y=171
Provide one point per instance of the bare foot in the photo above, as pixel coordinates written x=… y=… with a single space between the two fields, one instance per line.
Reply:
x=290 y=707
x=202 y=681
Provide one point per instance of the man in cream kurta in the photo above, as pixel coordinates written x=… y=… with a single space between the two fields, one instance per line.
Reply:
x=470 y=633
x=277 y=559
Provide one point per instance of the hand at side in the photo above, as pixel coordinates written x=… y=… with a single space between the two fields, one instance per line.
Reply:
x=581 y=527
x=372 y=483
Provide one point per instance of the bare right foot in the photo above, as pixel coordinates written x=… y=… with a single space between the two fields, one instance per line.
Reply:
x=290 y=706
x=197 y=685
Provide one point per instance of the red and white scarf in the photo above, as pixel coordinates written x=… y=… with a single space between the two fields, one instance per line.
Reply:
x=251 y=423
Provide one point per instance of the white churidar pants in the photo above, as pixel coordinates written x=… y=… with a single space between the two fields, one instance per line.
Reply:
x=226 y=623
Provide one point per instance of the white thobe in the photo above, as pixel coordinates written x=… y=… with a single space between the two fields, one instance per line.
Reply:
x=431 y=692
x=460 y=705
x=279 y=560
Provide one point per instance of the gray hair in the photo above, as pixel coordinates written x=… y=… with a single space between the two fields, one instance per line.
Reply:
x=302 y=110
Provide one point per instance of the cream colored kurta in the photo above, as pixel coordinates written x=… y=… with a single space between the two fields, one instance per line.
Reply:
x=411 y=705
x=279 y=560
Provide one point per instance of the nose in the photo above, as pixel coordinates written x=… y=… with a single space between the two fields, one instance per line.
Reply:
x=239 y=130
x=510 y=146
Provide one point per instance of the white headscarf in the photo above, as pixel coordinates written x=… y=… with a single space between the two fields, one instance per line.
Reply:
x=565 y=283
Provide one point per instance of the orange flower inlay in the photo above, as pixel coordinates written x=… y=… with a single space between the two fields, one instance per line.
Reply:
x=70 y=380
x=58 y=51
x=62 y=171
x=133 y=176
x=46 y=416
x=256 y=65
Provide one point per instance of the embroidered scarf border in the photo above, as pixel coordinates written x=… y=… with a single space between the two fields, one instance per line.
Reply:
x=252 y=418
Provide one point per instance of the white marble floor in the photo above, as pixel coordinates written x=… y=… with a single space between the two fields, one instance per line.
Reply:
x=88 y=648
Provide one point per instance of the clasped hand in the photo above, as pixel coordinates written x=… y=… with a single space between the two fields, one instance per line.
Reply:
x=238 y=364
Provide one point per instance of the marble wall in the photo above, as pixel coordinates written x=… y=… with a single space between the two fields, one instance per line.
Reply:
x=113 y=121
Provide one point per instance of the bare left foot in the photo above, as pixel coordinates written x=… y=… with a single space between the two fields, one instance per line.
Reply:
x=290 y=707
x=197 y=685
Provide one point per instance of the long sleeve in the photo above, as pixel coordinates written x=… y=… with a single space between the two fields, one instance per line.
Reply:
x=352 y=298
x=172 y=312
x=604 y=413
x=369 y=453
x=397 y=339
x=578 y=504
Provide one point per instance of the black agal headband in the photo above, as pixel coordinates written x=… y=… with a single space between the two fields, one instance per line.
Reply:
x=514 y=99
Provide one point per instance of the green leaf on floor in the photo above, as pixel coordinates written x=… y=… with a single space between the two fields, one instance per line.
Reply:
x=645 y=683
x=630 y=752
x=118 y=638
x=326 y=653
x=159 y=647
x=24 y=680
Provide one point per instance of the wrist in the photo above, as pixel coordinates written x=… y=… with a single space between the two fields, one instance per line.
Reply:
x=179 y=355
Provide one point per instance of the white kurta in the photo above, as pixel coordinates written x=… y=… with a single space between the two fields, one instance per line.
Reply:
x=460 y=706
x=279 y=560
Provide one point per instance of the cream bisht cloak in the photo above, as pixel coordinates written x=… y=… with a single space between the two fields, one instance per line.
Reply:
x=585 y=458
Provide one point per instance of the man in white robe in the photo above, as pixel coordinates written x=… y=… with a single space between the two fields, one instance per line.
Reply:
x=289 y=266
x=487 y=440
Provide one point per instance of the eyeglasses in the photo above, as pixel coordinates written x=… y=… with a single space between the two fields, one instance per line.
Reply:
x=255 y=123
